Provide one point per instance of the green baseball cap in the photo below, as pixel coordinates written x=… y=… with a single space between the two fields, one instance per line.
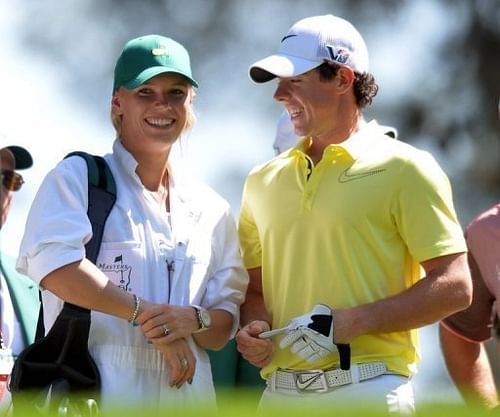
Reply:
x=147 y=56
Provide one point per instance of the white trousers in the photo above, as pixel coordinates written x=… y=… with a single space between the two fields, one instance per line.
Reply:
x=385 y=393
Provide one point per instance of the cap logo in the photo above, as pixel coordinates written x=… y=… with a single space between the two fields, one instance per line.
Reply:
x=339 y=55
x=286 y=37
x=159 y=51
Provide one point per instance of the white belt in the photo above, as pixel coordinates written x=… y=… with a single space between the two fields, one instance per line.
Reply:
x=318 y=380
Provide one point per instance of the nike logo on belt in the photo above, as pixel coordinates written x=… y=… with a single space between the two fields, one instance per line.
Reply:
x=302 y=385
x=346 y=177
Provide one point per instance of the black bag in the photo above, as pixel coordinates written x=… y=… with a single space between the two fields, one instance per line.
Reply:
x=56 y=374
x=56 y=368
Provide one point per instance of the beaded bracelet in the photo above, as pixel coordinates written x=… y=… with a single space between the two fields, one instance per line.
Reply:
x=137 y=305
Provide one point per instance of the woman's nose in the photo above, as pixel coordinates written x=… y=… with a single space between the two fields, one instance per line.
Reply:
x=163 y=101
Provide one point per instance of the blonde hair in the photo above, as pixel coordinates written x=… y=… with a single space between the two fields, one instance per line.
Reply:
x=116 y=119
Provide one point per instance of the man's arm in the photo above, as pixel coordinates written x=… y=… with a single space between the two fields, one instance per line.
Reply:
x=469 y=368
x=254 y=308
x=447 y=288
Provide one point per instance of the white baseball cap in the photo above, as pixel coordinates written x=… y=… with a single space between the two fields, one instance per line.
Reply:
x=309 y=43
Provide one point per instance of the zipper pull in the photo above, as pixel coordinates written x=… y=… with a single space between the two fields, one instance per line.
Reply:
x=170 y=270
x=170 y=267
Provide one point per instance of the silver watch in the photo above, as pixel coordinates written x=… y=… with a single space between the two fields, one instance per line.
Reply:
x=204 y=319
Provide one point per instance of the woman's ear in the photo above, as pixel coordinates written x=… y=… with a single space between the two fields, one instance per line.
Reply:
x=116 y=104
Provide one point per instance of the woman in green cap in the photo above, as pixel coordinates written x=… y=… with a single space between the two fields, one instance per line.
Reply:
x=168 y=280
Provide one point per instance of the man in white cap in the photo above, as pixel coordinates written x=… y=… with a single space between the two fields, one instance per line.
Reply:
x=350 y=238
x=19 y=303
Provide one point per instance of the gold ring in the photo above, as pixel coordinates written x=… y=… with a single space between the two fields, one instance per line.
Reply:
x=166 y=330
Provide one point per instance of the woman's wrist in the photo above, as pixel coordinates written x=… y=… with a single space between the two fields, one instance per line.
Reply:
x=136 y=308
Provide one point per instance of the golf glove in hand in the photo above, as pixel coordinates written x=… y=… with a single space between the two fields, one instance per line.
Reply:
x=311 y=336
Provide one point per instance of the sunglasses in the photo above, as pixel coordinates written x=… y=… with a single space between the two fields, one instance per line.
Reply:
x=11 y=180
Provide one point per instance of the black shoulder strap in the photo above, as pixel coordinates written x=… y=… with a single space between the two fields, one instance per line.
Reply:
x=101 y=198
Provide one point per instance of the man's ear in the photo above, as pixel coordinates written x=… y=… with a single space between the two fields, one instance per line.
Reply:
x=345 y=78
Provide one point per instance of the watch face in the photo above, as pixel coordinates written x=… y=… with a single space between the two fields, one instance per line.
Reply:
x=205 y=318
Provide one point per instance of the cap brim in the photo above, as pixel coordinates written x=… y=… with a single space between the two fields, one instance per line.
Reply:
x=149 y=73
x=22 y=157
x=280 y=66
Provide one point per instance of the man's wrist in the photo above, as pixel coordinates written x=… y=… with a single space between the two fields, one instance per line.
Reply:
x=255 y=322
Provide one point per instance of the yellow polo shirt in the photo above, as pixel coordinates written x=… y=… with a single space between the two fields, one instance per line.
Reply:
x=348 y=232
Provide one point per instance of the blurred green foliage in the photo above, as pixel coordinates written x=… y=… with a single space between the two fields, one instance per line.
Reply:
x=244 y=403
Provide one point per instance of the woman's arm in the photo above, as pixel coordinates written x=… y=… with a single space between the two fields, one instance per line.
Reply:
x=83 y=284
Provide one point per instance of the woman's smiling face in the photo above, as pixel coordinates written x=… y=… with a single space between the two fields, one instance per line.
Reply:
x=154 y=114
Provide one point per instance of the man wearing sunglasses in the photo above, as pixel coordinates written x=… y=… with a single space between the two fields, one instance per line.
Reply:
x=12 y=158
x=19 y=303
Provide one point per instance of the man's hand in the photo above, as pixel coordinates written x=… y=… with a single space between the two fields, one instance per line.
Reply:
x=257 y=351
x=311 y=336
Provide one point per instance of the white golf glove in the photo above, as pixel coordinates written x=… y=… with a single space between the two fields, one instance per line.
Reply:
x=311 y=336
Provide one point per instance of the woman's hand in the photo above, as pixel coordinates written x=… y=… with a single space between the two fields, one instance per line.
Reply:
x=180 y=360
x=167 y=327
x=165 y=323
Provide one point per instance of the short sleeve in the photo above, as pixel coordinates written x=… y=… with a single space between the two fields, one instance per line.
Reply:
x=424 y=210
x=248 y=233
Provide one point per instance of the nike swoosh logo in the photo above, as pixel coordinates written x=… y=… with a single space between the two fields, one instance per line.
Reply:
x=346 y=177
x=302 y=385
x=286 y=37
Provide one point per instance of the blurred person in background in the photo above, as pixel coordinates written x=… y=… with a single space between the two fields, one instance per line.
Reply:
x=464 y=334
x=285 y=137
x=350 y=238
x=168 y=280
x=19 y=301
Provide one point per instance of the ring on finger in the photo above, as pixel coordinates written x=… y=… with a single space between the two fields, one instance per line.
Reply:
x=184 y=363
x=165 y=329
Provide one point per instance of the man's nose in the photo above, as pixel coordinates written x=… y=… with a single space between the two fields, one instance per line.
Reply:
x=282 y=92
